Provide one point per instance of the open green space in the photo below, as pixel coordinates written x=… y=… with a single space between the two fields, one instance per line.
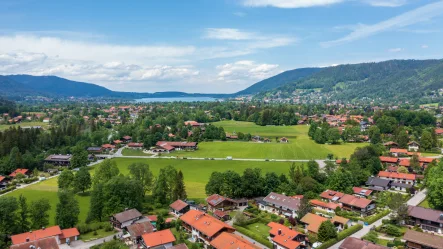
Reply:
x=23 y=124
x=131 y=152
x=196 y=174
x=300 y=146
x=259 y=229
x=424 y=203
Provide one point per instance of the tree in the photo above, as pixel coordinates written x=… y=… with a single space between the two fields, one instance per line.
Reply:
x=39 y=213
x=142 y=173
x=272 y=181
x=67 y=210
x=304 y=208
x=333 y=135
x=97 y=203
x=66 y=179
x=402 y=169
x=179 y=189
x=402 y=215
x=313 y=169
x=330 y=167
x=122 y=192
x=23 y=214
x=396 y=201
x=161 y=189
x=374 y=135
x=82 y=180
x=160 y=223
x=434 y=184
x=403 y=139
x=105 y=171
x=426 y=140
x=295 y=173
x=326 y=231
x=8 y=219
x=341 y=180
x=215 y=183
x=79 y=157
x=253 y=184
x=415 y=163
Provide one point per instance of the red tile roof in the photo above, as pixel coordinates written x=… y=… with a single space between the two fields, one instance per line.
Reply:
x=178 y=205
x=17 y=171
x=45 y=243
x=36 y=235
x=108 y=146
x=70 y=232
x=362 y=191
x=386 y=159
x=232 y=241
x=405 y=162
x=395 y=150
x=158 y=238
x=286 y=236
x=355 y=201
x=426 y=159
x=330 y=205
x=396 y=175
x=135 y=144
x=204 y=223
x=331 y=194
x=152 y=218
x=314 y=221
x=2 y=178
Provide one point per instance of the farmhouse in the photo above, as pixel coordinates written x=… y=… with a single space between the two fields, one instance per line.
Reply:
x=413 y=146
x=420 y=240
x=61 y=236
x=169 y=146
x=285 y=238
x=126 y=218
x=135 y=145
x=108 y=147
x=398 y=152
x=25 y=172
x=94 y=150
x=203 y=227
x=46 y=243
x=390 y=144
x=59 y=160
x=429 y=220
x=354 y=243
x=179 y=207
x=136 y=230
x=163 y=239
x=218 y=202
x=361 y=192
x=389 y=160
x=232 y=241
x=284 y=140
x=312 y=222
x=397 y=177
x=280 y=204
x=353 y=203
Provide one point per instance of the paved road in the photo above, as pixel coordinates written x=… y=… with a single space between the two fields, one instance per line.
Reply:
x=83 y=245
x=414 y=201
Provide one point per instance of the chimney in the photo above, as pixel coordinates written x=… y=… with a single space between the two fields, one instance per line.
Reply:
x=43 y=228
x=27 y=239
x=279 y=231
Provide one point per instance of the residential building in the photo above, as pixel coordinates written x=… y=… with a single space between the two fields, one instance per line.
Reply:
x=69 y=235
x=355 y=243
x=403 y=187
x=398 y=152
x=362 y=192
x=203 y=227
x=25 y=172
x=232 y=241
x=283 y=237
x=325 y=206
x=413 y=146
x=44 y=243
x=331 y=195
x=94 y=150
x=429 y=220
x=418 y=240
x=312 y=222
x=3 y=182
x=355 y=203
x=284 y=140
x=108 y=147
x=59 y=160
x=341 y=223
x=170 y=146
x=136 y=231
x=163 y=239
x=378 y=184
x=126 y=218
x=280 y=204
x=135 y=145
x=126 y=139
x=218 y=202
x=389 y=160
x=61 y=236
x=179 y=207
x=397 y=177
x=221 y=215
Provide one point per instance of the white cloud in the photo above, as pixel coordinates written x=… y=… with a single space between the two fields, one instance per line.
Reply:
x=228 y=34
x=245 y=71
x=395 y=50
x=386 y=3
x=424 y=46
x=418 y=15
x=290 y=3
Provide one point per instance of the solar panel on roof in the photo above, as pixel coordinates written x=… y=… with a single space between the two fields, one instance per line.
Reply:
x=335 y=198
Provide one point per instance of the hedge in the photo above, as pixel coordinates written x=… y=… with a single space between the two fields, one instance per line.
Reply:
x=341 y=235
x=254 y=236
x=6 y=190
x=376 y=217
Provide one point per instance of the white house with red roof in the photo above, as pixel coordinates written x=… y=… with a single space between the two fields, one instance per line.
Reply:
x=60 y=235
x=283 y=237
x=398 y=177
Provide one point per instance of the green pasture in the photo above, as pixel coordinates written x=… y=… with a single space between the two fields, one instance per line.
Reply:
x=23 y=124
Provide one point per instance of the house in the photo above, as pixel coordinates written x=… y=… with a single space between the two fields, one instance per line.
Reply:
x=44 y=243
x=170 y=146
x=203 y=227
x=418 y=240
x=25 y=172
x=136 y=231
x=163 y=239
x=180 y=246
x=378 y=184
x=135 y=145
x=438 y=132
x=284 y=140
x=61 y=236
x=179 y=207
x=117 y=142
x=221 y=215
x=283 y=237
x=397 y=177
x=429 y=220
x=194 y=124
x=126 y=139
x=126 y=218
x=325 y=206
x=341 y=223
x=46 y=120
x=361 y=192
x=355 y=243
x=3 y=182
x=94 y=150
x=108 y=147
x=413 y=146
x=390 y=144
x=403 y=187
x=364 y=125
x=232 y=241
x=331 y=195
x=280 y=204
x=312 y=222
x=218 y=202
x=59 y=160
x=425 y=161
x=357 y=204
x=389 y=160
x=398 y=152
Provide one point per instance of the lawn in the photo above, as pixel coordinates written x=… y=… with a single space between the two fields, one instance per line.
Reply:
x=101 y=233
x=23 y=124
x=259 y=229
x=300 y=146
x=424 y=204
x=131 y=152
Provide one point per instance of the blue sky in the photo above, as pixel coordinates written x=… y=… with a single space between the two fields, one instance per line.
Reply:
x=219 y=46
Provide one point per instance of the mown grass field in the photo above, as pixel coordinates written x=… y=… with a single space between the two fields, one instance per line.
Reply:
x=300 y=146
x=196 y=174
x=23 y=124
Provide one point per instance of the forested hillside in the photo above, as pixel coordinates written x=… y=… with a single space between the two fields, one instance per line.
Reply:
x=390 y=80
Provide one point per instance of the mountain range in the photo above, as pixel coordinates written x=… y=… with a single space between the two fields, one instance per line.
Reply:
x=390 y=80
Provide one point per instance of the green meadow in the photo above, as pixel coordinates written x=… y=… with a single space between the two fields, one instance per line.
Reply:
x=300 y=146
x=196 y=174
x=23 y=124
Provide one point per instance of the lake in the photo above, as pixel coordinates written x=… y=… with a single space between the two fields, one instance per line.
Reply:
x=179 y=99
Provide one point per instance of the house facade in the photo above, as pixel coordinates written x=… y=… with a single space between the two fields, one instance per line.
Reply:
x=179 y=208
x=413 y=146
x=427 y=219
x=280 y=204
x=398 y=177
x=418 y=240
x=126 y=218
x=282 y=237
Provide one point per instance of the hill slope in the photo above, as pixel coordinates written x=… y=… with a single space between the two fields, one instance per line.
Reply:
x=388 y=81
x=10 y=87
x=278 y=80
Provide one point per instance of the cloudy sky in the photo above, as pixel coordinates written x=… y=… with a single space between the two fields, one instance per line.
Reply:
x=209 y=46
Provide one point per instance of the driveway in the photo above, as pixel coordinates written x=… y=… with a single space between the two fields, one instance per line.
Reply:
x=414 y=201
x=84 y=245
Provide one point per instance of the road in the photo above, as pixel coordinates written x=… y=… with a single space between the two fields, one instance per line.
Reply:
x=414 y=201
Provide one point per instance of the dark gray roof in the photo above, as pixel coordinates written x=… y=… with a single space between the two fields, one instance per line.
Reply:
x=127 y=215
x=376 y=181
x=402 y=185
x=282 y=200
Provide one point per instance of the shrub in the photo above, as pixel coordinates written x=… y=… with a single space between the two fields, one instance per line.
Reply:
x=373 y=218
x=391 y=230
x=342 y=235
